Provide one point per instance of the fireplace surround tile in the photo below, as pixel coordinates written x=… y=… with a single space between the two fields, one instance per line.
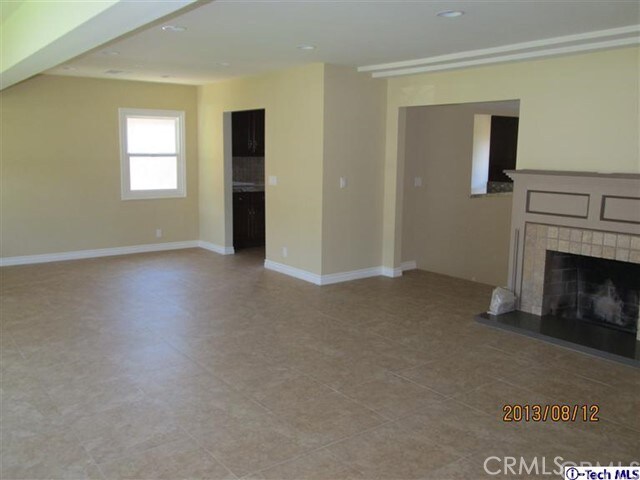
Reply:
x=624 y=241
x=597 y=238
x=540 y=238
x=610 y=239
x=622 y=254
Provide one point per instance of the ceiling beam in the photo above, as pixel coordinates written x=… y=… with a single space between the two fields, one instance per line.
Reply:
x=37 y=36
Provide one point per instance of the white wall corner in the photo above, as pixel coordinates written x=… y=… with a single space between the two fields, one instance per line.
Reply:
x=293 y=272
x=221 y=249
x=409 y=265
x=101 y=252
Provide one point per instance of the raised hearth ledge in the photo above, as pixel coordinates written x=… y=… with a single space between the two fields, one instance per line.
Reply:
x=612 y=345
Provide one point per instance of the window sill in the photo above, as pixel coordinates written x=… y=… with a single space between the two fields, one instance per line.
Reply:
x=153 y=196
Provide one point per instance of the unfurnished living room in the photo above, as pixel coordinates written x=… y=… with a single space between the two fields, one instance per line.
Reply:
x=318 y=239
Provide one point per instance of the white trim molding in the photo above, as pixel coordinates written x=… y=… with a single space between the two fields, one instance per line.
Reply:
x=331 y=278
x=221 y=249
x=101 y=252
x=293 y=272
x=391 y=272
x=409 y=265
x=348 y=276
x=548 y=47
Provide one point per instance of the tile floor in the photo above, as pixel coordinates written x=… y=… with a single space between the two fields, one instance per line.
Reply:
x=188 y=364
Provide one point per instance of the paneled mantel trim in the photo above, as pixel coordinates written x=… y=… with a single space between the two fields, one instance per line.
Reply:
x=604 y=202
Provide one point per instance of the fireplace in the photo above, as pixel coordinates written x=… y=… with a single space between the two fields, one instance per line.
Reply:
x=575 y=261
x=596 y=290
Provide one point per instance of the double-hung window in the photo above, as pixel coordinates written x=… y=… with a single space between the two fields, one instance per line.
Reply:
x=152 y=156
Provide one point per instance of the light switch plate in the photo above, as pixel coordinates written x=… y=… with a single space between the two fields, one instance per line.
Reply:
x=273 y=180
x=417 y=182
x=343 y=182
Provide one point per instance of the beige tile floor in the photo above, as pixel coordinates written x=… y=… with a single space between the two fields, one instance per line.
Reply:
x=188 y=364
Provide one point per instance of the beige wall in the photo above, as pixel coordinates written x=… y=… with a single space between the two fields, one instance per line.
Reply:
x=61 y=167
x=444 y=229
x=293 y=103
x=354 y=121
x=322 y=122
x=577 y=112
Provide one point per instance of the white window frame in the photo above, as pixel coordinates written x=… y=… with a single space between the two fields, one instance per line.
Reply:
x=125 y=180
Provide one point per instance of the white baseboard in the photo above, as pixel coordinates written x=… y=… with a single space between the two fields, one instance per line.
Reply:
x=293 y=272
x=410 y=265
x=221 y=249
x=391 y=272
x=100 y=252
x=352 y=275
x=330 y=278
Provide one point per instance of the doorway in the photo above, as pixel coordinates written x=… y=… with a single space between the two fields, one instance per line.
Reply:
x=248 y=173
x=456 y=201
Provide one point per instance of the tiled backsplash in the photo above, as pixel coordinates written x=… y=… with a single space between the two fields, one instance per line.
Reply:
x=248 y=169
x=540 y=238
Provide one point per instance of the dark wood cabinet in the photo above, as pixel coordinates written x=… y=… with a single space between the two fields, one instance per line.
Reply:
x=247 y=131
x=248 y=219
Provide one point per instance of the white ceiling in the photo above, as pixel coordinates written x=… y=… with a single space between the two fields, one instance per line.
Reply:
x=258 y=36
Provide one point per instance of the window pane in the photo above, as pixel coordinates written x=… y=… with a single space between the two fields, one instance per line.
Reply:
x=151 y=135
x=153 y=173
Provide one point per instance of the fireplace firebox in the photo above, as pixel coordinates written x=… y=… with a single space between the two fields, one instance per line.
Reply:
x=595 y=290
